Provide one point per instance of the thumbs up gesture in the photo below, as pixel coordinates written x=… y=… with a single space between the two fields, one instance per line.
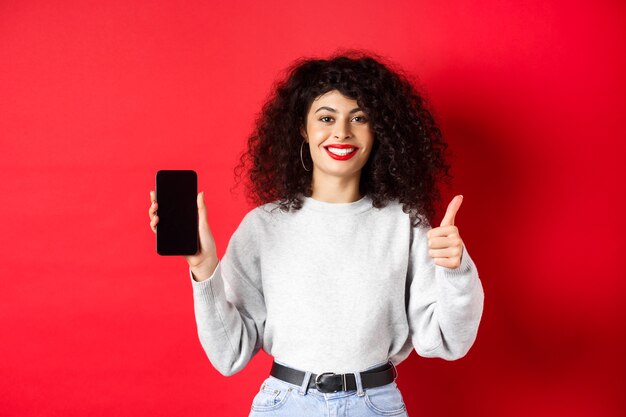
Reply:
x=445 y=245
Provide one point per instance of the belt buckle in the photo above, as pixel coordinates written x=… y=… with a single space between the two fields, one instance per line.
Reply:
x=328 y=390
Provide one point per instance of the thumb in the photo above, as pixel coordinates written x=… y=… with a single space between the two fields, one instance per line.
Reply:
x=201 y=209
x=207 y=244
x=453 y=208
x=202 y=220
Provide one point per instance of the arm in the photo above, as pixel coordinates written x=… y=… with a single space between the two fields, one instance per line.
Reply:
x=229 y=306
x=445 y=305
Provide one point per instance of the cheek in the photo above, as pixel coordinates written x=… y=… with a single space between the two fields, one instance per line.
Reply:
x=368 y=153
x=317 y=138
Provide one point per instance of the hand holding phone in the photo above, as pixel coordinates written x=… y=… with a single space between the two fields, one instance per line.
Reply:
x=204 y=261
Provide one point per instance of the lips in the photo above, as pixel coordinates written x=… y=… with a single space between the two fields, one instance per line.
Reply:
x=343 y=156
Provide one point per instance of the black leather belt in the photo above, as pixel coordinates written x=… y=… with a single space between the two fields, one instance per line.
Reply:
x=331 y=382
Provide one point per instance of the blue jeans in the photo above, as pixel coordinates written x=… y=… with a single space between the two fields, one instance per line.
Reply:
x=278 y=398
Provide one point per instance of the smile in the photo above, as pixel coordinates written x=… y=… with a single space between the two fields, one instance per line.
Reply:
x=341 y=153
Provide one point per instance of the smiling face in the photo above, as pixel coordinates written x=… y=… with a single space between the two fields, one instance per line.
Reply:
x=339 y=136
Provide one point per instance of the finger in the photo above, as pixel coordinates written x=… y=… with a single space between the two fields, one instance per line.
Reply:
x=453 y=208
x=153 y=223
x=441 y=242
x=445 y=242
x=153 y=209
x=443 y=231
x=454 y=252
x=447 y=262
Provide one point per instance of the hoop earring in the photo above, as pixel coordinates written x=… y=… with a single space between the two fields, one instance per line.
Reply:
x=302 y=160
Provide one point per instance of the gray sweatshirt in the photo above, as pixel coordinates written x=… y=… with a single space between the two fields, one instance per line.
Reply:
x=334 y=287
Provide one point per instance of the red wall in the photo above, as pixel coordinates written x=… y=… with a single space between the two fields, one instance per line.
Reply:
x=95 y=97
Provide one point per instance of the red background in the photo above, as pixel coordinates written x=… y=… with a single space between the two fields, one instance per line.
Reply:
x=95 y=97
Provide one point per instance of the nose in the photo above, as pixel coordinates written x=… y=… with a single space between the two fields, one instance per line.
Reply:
x=342 y=130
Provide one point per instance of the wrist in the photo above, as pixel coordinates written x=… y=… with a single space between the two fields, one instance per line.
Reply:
x=205 y=270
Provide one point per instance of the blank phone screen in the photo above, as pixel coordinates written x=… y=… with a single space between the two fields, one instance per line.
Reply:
x=177 y=229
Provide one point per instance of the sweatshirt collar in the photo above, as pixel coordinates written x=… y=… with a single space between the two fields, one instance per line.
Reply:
x=359 y=206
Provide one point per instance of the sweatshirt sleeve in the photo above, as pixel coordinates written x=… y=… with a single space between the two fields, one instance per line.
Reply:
x=229 y=307
x=445 y=305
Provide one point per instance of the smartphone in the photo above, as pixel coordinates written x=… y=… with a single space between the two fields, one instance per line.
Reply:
x=177 y=229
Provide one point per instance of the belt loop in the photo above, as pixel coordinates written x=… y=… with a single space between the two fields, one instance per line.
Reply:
x=359 y=385
x=305 y=383
x=395 y=371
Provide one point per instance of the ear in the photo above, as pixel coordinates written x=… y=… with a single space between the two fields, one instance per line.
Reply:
x=303 y=132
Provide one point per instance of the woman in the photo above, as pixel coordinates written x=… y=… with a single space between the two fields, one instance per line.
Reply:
x=337 y=272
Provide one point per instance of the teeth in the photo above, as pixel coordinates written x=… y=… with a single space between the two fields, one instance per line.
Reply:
x=341 y=152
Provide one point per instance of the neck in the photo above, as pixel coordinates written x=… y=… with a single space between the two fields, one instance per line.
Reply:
x=332 y=189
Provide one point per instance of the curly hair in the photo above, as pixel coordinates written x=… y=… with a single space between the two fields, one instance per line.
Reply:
x=408 y=154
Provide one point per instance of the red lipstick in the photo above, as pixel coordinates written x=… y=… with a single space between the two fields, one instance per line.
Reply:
x=341 y=146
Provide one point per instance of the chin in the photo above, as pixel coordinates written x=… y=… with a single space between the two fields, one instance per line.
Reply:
x=340 y=172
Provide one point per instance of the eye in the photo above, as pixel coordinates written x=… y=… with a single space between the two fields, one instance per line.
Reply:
x=363 y=119
x=325 y=117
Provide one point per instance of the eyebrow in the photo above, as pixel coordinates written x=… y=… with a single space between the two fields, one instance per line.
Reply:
x=335 y=111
